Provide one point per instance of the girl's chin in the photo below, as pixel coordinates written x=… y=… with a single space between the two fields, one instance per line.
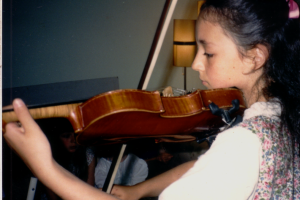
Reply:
x=72 y=149
x=206 y=85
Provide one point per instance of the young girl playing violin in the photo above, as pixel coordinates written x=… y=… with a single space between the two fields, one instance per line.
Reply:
x=252 y=45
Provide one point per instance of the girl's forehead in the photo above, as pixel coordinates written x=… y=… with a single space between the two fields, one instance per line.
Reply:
x=208 y=24
x=211 y=32
x=206 y=30
x=66 y=134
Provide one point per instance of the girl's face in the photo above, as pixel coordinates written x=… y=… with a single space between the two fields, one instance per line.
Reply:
x=68 y=141
x=218 y=60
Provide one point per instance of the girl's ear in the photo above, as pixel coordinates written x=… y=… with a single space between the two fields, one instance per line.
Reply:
x=256 y=57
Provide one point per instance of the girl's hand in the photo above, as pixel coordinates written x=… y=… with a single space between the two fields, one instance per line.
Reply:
x=33 y=147
x=28 y=140
x=125 y=192
x=165 y=157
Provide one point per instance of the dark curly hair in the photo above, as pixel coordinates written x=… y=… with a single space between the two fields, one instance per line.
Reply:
x=266 y=22
x=74 y=162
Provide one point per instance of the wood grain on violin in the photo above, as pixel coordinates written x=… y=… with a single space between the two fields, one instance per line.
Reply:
x=124 y=114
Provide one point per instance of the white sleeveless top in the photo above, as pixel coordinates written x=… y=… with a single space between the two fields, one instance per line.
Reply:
x=230 y=168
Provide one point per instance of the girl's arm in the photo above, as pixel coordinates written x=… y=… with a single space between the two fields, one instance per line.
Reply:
x=91 y=172
x=33 y=147
x=152 y=187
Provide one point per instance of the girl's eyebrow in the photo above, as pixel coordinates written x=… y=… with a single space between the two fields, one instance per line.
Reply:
x=204 y=43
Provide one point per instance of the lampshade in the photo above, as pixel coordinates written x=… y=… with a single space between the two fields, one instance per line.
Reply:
x=184 y=42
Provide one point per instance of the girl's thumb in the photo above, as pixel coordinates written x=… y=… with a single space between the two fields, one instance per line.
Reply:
x=23 y=113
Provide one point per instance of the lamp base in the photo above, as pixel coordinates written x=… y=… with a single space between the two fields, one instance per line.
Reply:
x=184 y=78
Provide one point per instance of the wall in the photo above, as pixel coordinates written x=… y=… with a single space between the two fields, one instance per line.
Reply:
x=165 y=73
x=49 y=41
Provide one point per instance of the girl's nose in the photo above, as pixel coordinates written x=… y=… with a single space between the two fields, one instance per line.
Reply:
x=73 y=138
x=197 y=64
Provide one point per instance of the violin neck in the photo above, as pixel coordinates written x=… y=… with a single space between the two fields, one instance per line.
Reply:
x=62 y=111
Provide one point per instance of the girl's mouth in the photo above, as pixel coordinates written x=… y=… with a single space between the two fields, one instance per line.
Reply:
x=73 y=147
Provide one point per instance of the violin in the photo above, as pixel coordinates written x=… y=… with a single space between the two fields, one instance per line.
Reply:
x=121 y=115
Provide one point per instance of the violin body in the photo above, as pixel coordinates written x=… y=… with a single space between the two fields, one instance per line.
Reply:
x=124 y=114
x=121 y=115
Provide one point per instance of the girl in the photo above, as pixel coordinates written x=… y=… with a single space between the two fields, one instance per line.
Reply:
x=77 y=159
x=248 y=44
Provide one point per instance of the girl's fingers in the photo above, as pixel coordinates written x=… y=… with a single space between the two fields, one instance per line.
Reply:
x=12 y=125
x=12 y=128
x=13 y=134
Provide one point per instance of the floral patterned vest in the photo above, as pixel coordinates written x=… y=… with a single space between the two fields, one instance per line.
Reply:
x=279 y=172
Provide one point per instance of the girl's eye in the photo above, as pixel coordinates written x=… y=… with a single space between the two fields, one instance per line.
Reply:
x=208 y=55
x=66 y=135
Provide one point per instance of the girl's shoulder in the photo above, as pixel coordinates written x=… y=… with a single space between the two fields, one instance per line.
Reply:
x=270 y=109
x=262 y=118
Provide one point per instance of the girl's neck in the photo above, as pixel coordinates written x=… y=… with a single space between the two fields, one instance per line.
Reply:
x=254 y=95
x=253 y=99
x=253 y=89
